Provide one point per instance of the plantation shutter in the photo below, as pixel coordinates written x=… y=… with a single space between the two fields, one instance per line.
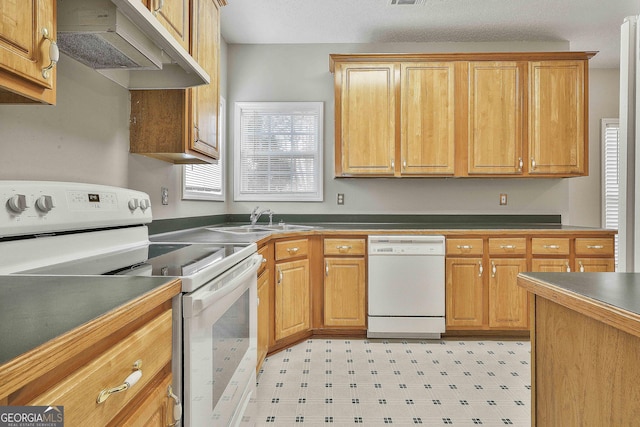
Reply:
x=610 y=177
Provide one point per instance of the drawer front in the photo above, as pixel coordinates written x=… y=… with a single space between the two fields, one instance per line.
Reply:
x=151 y=344
x=549 y=246
x=264 y=252
x=464 y=247
x=344 y=246
x=508 y=246
x=291 y=249
x=597 y=246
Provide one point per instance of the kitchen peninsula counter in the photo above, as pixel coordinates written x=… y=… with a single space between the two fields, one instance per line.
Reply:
x=45 y=320
x=585 y=337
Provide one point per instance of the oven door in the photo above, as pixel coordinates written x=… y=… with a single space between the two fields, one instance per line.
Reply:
x=220 y=347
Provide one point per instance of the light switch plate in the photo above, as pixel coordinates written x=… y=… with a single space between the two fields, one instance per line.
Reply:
x=503 y=199
x=165 y=195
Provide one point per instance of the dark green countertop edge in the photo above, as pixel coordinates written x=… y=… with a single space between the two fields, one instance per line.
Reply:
x=167 y=225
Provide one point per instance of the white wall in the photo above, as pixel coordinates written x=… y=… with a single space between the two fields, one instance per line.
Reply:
x=301 y=73
x=85 y=138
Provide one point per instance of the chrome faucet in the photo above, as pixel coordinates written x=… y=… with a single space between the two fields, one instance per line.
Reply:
x=255 y=215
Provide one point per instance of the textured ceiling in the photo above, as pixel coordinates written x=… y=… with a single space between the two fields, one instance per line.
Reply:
x=585 y=24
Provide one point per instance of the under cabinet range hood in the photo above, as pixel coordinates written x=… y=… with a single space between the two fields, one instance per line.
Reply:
x=122 y=40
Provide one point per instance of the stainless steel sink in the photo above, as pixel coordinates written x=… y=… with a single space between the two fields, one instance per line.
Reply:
x=287 y=227
x=247 y=229
x=241 y=229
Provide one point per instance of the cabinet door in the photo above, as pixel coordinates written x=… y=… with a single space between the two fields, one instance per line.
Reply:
x=595 y=265
x=263 y=316
x=344 y=292
x=292 y=298
x=174 y=16
x=365 y=119
x=557 y=138
x=550 y=265
x=205 y=48
x=464 y=293
x=24 y=51
x=428 y=123
x=495 y=118
x=508 y=302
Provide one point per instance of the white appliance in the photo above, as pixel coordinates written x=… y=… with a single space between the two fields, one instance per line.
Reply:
x=629 y=163
x=406 y=287
x=75 y=229
x=125 y=42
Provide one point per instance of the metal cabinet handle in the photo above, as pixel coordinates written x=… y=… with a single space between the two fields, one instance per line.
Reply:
x=129 y=382
x=343 y=248
x=581 y=266
x=595 y=246
x=404 y=164
x=507 y=246
x=493 y=269
x=568 y=267
x=465 y=246
x=293 y=250
x=520 y=164
x=160 y=6
x=533 y=163
x=326 y=268
x=481 y=269
x=54 y=54
x=551 y=246
x=393 y=164
x=177 y=407
x=279 y=275
x=197 y=133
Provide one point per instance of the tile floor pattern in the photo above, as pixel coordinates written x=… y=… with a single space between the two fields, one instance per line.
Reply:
x=372 y=382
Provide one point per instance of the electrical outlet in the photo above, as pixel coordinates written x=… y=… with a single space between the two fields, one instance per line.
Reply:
x=503 y=199
x=165 y=195
x=341 y=198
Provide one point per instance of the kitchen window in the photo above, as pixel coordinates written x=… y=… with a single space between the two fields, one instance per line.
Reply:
x=610 y=177
x=206 y=182
x=278 y=151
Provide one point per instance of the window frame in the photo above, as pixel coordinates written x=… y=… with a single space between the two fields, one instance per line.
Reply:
x=214 y=197
x=318 y=108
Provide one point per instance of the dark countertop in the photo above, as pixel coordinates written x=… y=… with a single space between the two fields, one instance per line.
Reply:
x=618 y=290
x=36 y=309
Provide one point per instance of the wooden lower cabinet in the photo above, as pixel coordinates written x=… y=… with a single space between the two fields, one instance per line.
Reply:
x=595 y=265
x=292 y=309
x=464 y=292
x=344 y=292
x=264 y=285
x=508 y=303
x=551 y=265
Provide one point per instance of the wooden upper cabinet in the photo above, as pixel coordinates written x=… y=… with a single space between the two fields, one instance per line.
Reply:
x=427 y=141
x=558 y=116
x=174 y=16
x=365 y=119
x=181 y=125
x=510 y=114
x=25 y=51
x=205 y=48
x=495 y=118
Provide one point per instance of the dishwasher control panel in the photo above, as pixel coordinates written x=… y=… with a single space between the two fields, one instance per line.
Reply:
x=406 y=245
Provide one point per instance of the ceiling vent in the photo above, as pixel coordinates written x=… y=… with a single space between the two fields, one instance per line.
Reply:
x=406 y=3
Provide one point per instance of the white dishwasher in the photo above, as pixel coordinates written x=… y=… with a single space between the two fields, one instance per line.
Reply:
x=406 y=287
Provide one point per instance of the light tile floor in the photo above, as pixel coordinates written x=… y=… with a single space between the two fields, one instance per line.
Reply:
x=373 y=382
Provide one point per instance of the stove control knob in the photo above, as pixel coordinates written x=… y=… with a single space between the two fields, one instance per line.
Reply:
x=17 y=203
x=133 y=204
x=44 y=204
x=144 y=204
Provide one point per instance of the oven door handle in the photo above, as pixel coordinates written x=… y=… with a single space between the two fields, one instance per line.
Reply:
x=208 y=298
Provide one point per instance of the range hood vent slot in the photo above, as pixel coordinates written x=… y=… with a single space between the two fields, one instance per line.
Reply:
x=122 y=40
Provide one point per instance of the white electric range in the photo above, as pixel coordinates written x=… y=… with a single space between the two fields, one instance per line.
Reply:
x=76 y=229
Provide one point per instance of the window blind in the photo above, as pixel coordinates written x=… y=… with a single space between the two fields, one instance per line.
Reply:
x=278 y=151
x=610 y=177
